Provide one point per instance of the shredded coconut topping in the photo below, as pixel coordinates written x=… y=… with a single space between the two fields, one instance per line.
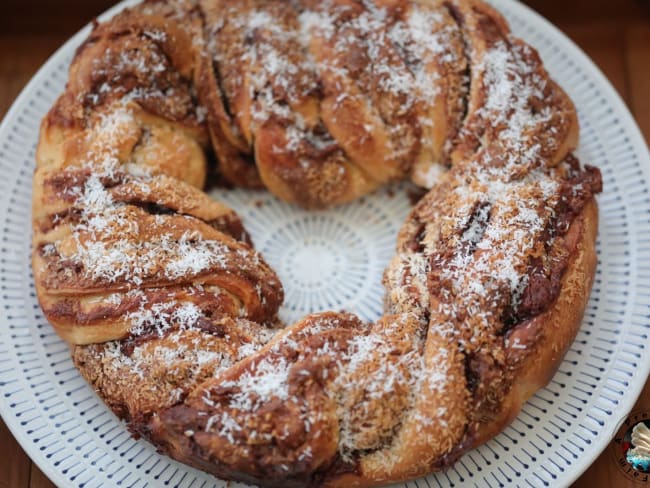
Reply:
x=464 y=266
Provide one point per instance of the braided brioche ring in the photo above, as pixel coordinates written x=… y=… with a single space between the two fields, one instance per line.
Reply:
x=172 y=314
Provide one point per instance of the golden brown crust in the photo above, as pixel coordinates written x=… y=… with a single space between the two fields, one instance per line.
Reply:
x=547 y=337
x=417 y=446
x=171 y=311
x=141 y=376
x=117 y=209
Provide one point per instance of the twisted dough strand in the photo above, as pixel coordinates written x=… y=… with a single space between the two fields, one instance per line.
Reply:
x=118 y=216
x=172 y=312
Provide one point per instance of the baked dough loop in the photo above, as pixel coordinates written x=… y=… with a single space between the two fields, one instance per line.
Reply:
x=171 y=312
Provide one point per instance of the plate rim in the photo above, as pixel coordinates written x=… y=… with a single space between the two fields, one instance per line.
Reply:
x=567 y=45
x=637 y=140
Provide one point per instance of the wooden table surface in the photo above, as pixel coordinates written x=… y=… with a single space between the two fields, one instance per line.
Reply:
x=615 y=34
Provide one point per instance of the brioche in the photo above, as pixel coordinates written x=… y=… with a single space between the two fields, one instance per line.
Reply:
x=172 y=314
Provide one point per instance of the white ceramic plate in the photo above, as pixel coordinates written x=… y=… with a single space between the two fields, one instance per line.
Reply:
x=66 y=429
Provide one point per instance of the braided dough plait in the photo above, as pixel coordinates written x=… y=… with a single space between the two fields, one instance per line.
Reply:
x=173 y=315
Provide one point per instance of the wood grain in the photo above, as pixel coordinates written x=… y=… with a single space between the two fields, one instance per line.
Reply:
x=38 y=479
x=637 y=55
x=615 y=34
x=14 y=463
x=605 y=43
x=590 y=12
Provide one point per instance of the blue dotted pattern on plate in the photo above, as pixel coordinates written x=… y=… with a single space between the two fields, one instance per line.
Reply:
x=334 y=260
x=326 y=260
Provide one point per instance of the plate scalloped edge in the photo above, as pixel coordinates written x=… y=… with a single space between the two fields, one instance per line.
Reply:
x=74 y=439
